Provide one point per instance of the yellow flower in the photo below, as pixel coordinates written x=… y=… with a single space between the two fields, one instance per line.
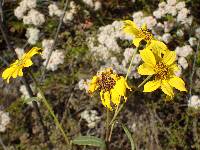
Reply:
x=112 y=87
x=157 y=47
x=163 y=68
x=15 y=68
x=138 y=33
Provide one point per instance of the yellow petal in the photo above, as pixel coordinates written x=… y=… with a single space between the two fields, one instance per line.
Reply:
x=32 y=52
x=152 y=85
x=119 y=90
x=169 y=57
x=178 y=83
x=28 y=63
x=145 y=69
x=16 y=72
x=136 y=41
x=144 y=26
x=167 y=88
x=174 y=68
x=7 y=73
x=93 y=84
x=105 y=98
x=130 y=28
x=157 y=47
x=20 y=73
x=148 y=57
x=115 y=97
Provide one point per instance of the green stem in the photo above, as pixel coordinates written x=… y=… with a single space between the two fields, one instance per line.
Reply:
x=130 y=65
x=107 y=123
x=111 y=130
x=50 y=110
x=117 y=111
x=143 y=82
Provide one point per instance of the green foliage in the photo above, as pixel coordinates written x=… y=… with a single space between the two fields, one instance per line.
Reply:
x=90 y=141
x=129 y=136
x=31 y=99
x=17 y=26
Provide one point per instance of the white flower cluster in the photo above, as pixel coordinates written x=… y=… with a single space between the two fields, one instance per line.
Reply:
x=23 y=7
x=33 y=35
x=182 y=53
x=172 y=8
x=107 y=48
x=4 y=120
x=26 y=11
x=106 y=39
x=19 y=52
x=194 y=101
x=69 y=14
x=54 y=10
x=34 y=17
x=176 y=9
x=91 y=117
x=57 y=56
x=96 y=5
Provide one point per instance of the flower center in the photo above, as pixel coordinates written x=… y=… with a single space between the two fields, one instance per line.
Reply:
x=162 y=71
x=106 y=82
x=146 y=34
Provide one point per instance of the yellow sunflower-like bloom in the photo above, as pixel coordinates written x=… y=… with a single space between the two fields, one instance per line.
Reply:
x=137 y=33
x=112 y=87
x=163 y=69
x=15 y=68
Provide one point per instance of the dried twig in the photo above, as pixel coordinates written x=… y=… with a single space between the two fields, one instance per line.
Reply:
x=55 y=39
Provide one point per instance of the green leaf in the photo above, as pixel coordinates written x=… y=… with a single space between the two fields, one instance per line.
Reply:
x=129 y=136
x=90 y=141
x=31 y=99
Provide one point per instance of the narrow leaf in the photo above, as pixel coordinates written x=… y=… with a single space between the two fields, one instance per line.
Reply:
x=29 y=100
x=90 y=141
x=129 y=136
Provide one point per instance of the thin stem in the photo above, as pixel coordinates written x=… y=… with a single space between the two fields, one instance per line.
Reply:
x=117 y=111
x=111 y=130
x=55 y=39
x=107 y=123
x=143 y=82
x=130 y=65
x=50 y=110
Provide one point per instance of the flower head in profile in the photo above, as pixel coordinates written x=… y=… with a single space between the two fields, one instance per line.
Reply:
x=163 y=69
x=15 y=68
x=137 y=33
x=112 y=87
